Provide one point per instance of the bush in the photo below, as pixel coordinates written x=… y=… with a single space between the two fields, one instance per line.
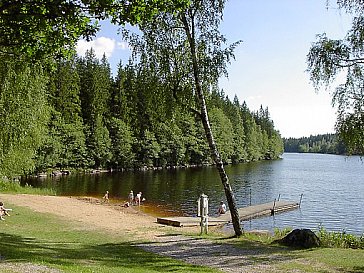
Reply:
x=9 y=186
x=280 y=233
x=340 y=239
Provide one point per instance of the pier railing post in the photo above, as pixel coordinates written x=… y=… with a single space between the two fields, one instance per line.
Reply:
x=250 y=199
x=300 y=200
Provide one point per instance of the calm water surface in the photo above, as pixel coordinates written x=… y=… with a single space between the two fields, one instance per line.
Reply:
x=332 y=188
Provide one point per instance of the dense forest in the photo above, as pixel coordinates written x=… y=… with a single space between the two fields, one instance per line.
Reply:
x=77 y=115
x=323 y=144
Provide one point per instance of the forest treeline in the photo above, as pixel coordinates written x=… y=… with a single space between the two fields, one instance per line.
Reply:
x=323 y=144
x=77 y=115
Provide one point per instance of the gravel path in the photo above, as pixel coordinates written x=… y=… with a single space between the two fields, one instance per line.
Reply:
x=222 y=256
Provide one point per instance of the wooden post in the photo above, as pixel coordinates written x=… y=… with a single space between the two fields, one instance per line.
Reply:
x=203 y=213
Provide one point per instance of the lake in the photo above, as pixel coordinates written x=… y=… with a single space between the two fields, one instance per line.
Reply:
x=332 y=188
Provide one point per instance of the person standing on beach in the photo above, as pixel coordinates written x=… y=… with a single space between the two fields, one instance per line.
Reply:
x=138 y=198
x=106 y=197
x=131 y=197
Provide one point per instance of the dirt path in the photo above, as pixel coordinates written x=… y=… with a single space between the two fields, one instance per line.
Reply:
x=91 y=214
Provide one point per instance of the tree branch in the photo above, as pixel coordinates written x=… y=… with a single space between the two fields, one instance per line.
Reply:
x=350 y=62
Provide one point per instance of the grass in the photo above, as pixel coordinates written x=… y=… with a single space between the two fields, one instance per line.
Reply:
x=340 y=239
x=28 y=238
x=284 y=259
x=15 y=187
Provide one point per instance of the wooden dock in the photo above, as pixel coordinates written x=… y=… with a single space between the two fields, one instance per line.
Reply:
x=245 y=213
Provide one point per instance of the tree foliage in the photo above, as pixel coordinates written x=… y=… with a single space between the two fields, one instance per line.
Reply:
x=322 y=144
x=24 y=112
x=40 y=28
x=60 y=119
x=329 y=59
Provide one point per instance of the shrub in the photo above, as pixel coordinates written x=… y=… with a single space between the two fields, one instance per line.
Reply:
x=9 y=186
x=340 y=239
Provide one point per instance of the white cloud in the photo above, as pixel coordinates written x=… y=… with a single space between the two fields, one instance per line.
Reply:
x=123 y=45
x=100 y=45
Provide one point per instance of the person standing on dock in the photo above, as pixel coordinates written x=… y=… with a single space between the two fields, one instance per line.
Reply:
x=222 y=208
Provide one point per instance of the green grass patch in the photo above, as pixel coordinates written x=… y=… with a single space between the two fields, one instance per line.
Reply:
x=325 y=260
x=8 y=186
x=340 y=239
x=260 y=250
x=38 y=239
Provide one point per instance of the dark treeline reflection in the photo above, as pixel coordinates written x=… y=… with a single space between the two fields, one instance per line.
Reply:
x=174 y=191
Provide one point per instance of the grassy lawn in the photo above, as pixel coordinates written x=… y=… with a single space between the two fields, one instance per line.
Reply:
x=29 y=239
x=325 y=260
x=316 y=260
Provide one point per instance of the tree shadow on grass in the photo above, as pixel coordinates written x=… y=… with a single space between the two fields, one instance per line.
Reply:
x=218 y=253
x=110 y=255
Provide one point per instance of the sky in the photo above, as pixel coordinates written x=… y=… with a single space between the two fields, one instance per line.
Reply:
x=270 y=64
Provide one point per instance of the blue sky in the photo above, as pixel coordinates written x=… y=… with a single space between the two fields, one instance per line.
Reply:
x=270 y=64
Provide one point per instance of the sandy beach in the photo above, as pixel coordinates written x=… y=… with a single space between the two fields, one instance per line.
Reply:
x=91 y=213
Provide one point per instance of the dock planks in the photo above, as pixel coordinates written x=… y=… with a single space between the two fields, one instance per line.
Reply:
x=245 y=213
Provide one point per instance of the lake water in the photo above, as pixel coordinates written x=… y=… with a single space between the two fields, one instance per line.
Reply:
x=332 y=188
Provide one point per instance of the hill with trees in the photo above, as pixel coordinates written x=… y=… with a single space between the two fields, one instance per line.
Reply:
x=323 y=144
x=79 y=116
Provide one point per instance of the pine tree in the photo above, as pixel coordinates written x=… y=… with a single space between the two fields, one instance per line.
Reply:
x=95 y=79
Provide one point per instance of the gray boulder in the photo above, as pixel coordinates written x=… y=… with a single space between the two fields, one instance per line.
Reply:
x=300 y=238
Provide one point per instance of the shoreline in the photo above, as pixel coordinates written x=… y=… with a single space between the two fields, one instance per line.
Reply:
x=88 y=213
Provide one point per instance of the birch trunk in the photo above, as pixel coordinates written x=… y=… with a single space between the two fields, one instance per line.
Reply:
x=206 y=124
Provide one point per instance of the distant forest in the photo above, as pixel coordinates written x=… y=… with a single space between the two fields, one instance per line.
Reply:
x=323 y=144
x=79 y=116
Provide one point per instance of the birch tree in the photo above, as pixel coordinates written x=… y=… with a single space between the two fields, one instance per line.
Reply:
x=186 y=49
x=329 y=60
